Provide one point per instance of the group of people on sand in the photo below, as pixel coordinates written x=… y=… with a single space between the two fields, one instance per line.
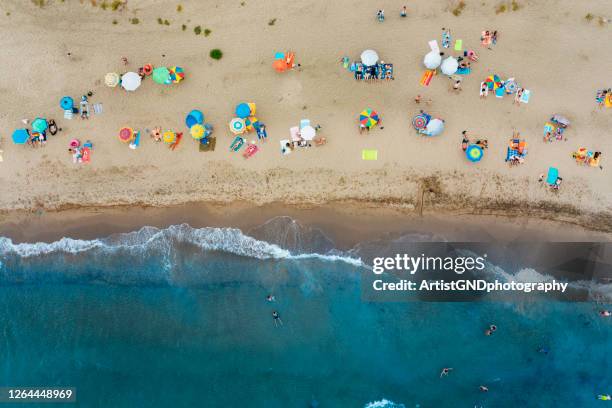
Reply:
x=488 y=38
x=39 y=139
x=482 y=143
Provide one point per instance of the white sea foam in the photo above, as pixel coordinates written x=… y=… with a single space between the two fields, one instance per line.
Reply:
x=229 y=240
x=383 y=403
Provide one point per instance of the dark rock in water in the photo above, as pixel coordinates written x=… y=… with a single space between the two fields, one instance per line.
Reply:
x=289 y=234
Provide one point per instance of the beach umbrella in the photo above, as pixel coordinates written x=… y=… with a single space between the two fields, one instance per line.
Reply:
x=39 y=125
x=369 y=58
x=493 y=82
x=552 y=176
x=253 y=108
x=177 y=74
x=243 y=110
x=130 y=81
x=369 y=118
x=126 y=134
x=111 y=79
x=279 y=65
x=161 y=75
x=169 y=136
x=434 y=127
x=197 y=131
x=432 y=59
x=308 y=133
x=420 y=121
x=474 y=153
x=147 y=69
x=237 y=126
x=195 y=117
x=66 y=103
x=21 y=136
x=449 y=66
x=251 y=122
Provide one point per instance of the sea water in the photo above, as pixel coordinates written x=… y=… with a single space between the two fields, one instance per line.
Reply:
x=178 y=317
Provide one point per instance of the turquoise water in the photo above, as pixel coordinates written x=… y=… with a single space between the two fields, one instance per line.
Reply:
x=179 y=318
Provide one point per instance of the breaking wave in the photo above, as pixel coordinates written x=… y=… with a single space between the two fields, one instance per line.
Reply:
x=384 y=403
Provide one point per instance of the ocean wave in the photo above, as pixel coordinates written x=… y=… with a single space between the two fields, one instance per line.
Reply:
x=383 y=403
x=228 y=240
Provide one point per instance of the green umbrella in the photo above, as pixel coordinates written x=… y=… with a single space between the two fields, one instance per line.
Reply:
x=161 y=75
x=39 y=125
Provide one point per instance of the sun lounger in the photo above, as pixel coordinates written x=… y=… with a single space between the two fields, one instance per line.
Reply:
x=250 y=150
x=285 y=150
x=369 y=154
x=236 y=144
x=345 y=62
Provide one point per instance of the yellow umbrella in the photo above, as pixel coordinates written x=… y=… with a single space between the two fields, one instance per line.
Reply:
x=197 y=131
x=169 y=136
x=253 y=108
x=111 y=79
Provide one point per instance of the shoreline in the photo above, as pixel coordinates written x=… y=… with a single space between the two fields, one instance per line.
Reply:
x=345 y=223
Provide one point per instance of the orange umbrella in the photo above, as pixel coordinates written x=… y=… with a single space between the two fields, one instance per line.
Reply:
x=279 y=65
x=126 y=134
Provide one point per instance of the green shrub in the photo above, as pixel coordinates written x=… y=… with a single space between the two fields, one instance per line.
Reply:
x=216 y=54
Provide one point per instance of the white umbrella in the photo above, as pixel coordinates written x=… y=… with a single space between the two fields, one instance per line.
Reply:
x=434 y=127
x=308 y=133
x=432 y=60
x=449 y=66
x=369 y=57
x=130 y=81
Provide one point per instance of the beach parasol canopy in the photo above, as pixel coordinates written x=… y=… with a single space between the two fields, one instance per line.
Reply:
x=66 y=103
x=39 y=125
x=243 y=110
x=177 y=74
x=111 y=79
x=169 y=136
x=126 y=134
x=130 y=81
x=434 y=127
x=161 y=75
x=369 y=118
x=279 y=65
x=369 y=58
x=449 y=66
x=493 y=82
x=420 y=121
x=195 y=117
x=197 y=131
x=21 y=136
x=474 y=153
x=237 y=126
x=251 y=122
x=432 y=59
x=308 y=133
x=279 y=55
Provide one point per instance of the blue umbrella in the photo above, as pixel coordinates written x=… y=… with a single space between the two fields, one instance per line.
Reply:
x=39 y=125
x=243 y=111
x=195 y=117
x=21 y=136
x=66 y=103
x=474 y=153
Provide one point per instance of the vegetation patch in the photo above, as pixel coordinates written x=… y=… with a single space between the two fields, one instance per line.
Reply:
x=216 y=54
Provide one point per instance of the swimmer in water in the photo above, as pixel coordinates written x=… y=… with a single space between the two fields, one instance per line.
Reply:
x=490 y=330
x=270 y=298
x=445 y=372
x=543 y=350
x=482 y=388
x=605 y=313
x=277 y=320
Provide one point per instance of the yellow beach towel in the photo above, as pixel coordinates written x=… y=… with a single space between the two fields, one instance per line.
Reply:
x=369 y=154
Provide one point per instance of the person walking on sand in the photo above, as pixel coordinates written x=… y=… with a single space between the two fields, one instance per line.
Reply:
x=445 y=372
x=404 y=12
x=381 y=15
x=277 y=321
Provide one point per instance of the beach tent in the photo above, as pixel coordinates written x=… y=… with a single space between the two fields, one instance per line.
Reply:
x=237 y=126
x=66 y=103
x=449 y=66
x=474 y=153
x=243 y=110
x=308 y=133
x=553 y=175
x=369 y=58
x=369 y=118
x=161 y=75
x=197 y=131
x=169 y=137
x=130 y=81
x=432 y=60
x=126 y=134
x=177 y=74
x=21 y=136
x=434 y=127
x=39 y=125
x=195 y=117
x=111 y=79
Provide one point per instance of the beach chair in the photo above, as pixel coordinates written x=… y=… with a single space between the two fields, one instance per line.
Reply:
x=250 y=150
x=304 y=123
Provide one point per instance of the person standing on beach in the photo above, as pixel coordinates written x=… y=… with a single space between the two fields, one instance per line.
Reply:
x=403 y=12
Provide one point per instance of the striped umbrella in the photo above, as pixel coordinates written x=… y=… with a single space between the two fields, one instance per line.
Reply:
x=169 y=136
x=474 y=153
x=197 y=131
x=126 y=134
x=237 y=126
x=251 y=122
x=369 y=118
x=420 y=121
x=493 y=82
x=177 y=74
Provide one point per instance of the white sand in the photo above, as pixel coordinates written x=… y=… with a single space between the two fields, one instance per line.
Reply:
x=547 y=46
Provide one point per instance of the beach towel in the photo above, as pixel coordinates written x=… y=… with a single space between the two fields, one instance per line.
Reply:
x=458 y=45
x=236 y=144
x=525 y=96
x=250 y=150
x=433 y=44
x=369 y=154
x=86 y=155
x=97 y=108
x=262 y=133
x=345 y=62
x=68 y=114
x=500 y=92
x=426 y=77
x=295 y=133
x=553 y=175
x=208 y=147
x=464 y=71
x=284 y=149
x=304 y=123
x=136 y=142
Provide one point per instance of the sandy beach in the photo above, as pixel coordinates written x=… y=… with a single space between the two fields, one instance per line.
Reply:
x=548 y=46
